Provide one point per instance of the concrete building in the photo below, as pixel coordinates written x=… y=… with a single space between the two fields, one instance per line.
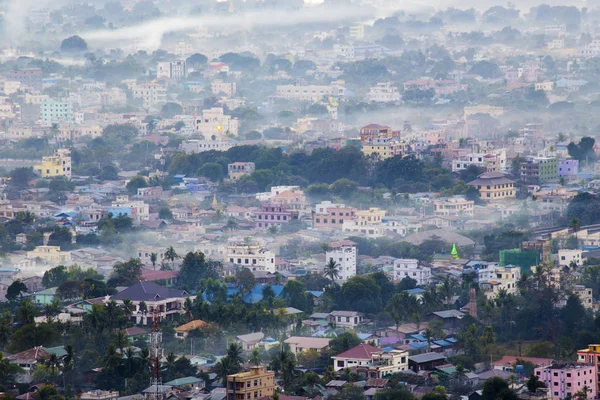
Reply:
x=563 y=380
x=539 y=170
x=384 y=92
x=273 y=213
x=357 y=32
x=218 y=86
x=50 y=254
x=410 y=268
x=99 y=395
x=311 y=92
x=367 y=222
x=343 y=50
x=135 y=209
x=330 y=215
x=454 y=206
x=238 y=169
x=152 y=94
x=383 y=148
x=55 y=112
x=495 y=279
x=193 y=146
x=258 y=383
x=346 y=319
x=374 y=131
x=591 y=356
x=344 y=253
x=250 y=255
x=494 y=186
x=58 y=164
x=566 y=256
x=30 y=77
x=373 y=361
x=299 y=344
x=568 y=167
x=214 y=124
x=174 y=70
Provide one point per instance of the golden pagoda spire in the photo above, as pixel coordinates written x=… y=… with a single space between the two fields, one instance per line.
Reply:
x=231 y=7
x=215 y=203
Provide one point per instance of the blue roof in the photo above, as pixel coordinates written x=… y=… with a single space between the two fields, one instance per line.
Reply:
x=364 y=336
x=451 y=340
x=442 y=343
x=418 y=345
x=415 y=291
x=253 y=297
x=419 y=337
x=316 y=293
x=388 y=349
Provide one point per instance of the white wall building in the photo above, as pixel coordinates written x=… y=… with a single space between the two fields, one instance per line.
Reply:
x=174 y=70
x=409 y=267
x=384 y=92
x=213 y=123
x=192 y=146
x=250 y=255
x=344 y=253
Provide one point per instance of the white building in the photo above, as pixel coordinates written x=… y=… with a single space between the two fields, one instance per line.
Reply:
x=213 y=123
x=493 y=279
x=311 y=92
x=219 y=87
x=344 y=253
x=343 y=50
x=152 y=94
x=384 y=92
x=454 y=206
x=54 y=112
x=250 y=255
x=566 y=256
x=174 y=70
x=410 y=268
x=192 y=146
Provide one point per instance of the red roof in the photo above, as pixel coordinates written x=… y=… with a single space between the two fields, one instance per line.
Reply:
x=363 y=351
x=511 y=360
x=342 y=243
x=375 y=126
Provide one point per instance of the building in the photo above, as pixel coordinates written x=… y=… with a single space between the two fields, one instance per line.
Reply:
x=218 y=86
x=214 y=124
x=152 y=94
x=383 y=148
x=182 y=332
x=585 y=296
x=298 y=344
x=55 y=112
x=494 y=186
x=344 y=254
x=273 y=213
x=194 y=146
x=50 y=254
x=454 y=206
x=372 y=361
x=99 y=395
x=250 y=255
x=168 y=302
x=174 y=70
x=367 y=222
x=563 y=380
x=30 y=77
x=384 y=92
x=567 y=256
x=331 y=215
x=568 y=167
x=58 y=164
x=410 y=268
x=357 y=32
x=346 y=319
x=238 y=169
x=255 y=384
x=495 y=279
x=539 y=170
x=375 y=131
x=311 y=92
x=137 y=210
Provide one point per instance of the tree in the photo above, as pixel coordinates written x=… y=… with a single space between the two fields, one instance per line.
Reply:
x=212 y=170
x=165 y=213
x=197 y=60
x=171 y=255
x=20 y=177
x=135 y=183
x=69 y=290
x=195 y=268
x=497 y=388
x=61 y=236
x=534 y=383
x=344 y=187
x=344 y=341
x=8 y=371
x=153 y=258
x=245 y=280
x=15 y=290
x=55 y=276
x=485 y=69
x=169 y=110
x=128 y=272
x=331 y=270
x=575 y=225
x=349 y=391
x=73 y=44
x=235 y=355
x=255 y=357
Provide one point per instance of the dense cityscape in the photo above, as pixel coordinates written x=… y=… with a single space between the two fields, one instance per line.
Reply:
x=299 y=200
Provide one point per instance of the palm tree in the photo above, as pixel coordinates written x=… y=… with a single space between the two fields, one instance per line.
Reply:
x=255 y=357
x=130 y=359
x=224 y=367
x=460 y=373
x=429 y=336
x=128 y=308
x=153 y=258
x=331 y=270
x=273 y=230
x=188 y=306
x=68 y=362
x=170 y=366
x=121 y=341
x=395 y=307
x=53 y=362
x=325 y=247
x=447 y=290
x=26 y=312
x=111 y=311
x=284 y=364
x=329 y=374
x=171 y=255
x=234 y=353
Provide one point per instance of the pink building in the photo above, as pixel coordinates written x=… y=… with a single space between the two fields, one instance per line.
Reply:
x=331 y=215
x=568 y=167
x=273 y=213
x=563 y=380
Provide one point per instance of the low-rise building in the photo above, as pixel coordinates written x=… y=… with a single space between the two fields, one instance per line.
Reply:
x=346 y=319
x=384 y=92
x=99 y=395
x=373 y=362
x=311 y=92
x=383 y=148
x=273 y=213
x=568 y=167
x=298 y=344
x=494 y=186
x=58 y=164
x=495 y=279
x=238 y=169
x=454 y=206
x=332 y=215
x=410 y=268
x=50 y=254
x=256 y=384
x=218 y=86
x=250 y=255
x=563 y=380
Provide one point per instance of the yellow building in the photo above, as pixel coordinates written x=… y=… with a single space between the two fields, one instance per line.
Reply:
x=254 y=384
x=494 y=186
x=383 y=148
x=58 y=164
x=50 y=254
x=357 y=32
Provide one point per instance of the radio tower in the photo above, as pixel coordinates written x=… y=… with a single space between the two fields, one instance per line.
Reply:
x=156 y=354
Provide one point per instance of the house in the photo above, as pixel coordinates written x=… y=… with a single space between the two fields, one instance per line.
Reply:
x=100 y=395
x=254 y=384
x=426 y=361
x=250 y=340
x=189 y=381
x=167 y=302
x=28 y=359
x=507 y=363
x=371 y=361
x=450 y=318
x=346 y=319
x=298 y=344
x=182 y=332
x=359 y=355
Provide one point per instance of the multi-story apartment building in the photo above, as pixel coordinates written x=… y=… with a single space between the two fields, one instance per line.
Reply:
x=174 y=70
x=357 y=32
x=330 y=215
x=568 y=167
x=58 y=164
x=135 y=209
x=384 y=92
x=258 y=383
x=375 y=131
x=30 y=77
x=453 y=206
x=344 y=253
x=213 y=124
x=50 y=254
x=193 y=146
x=591 y=356
x=383 y=148
x=563 y=380
x=55 y=112
x=218 y=86
x=367 y=222
x=238 y=169
x=539 y=170
x=371 y=361
x=491 y=162
x=152 y=94
x=274 y=213
x=494 y=186
x=495 y=279
x=410 y=268
x=311 y=92
x=250 y=255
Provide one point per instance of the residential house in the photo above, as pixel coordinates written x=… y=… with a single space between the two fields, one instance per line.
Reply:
x=426 y=361
x=346 y=319
x=182 y=332
x=298 y=344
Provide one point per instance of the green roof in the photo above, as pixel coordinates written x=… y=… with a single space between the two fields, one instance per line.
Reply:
x=189 y=380
x=48 y=291
x=58 y=350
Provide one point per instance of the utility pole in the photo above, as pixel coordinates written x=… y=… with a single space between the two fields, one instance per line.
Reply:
x=156 y=353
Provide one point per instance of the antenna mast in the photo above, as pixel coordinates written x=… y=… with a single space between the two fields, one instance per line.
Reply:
x=156 y=353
